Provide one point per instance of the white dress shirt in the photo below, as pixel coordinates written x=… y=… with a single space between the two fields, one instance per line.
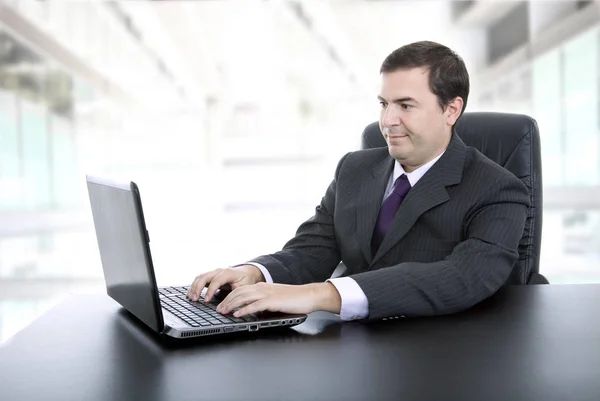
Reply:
x=355 y=304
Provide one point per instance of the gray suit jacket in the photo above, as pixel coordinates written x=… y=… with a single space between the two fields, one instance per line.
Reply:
x=452 y=244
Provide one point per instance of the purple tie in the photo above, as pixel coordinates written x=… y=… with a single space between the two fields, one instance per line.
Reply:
x=388 y=211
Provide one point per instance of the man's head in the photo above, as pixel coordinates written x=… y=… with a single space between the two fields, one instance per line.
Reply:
x=424 y=90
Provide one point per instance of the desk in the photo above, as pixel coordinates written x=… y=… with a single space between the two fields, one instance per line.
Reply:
x=524 y=343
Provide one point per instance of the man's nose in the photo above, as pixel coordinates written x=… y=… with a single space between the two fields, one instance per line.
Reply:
x=390 y=117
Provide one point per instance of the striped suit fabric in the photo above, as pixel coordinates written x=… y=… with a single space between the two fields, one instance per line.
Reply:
x=452 y=244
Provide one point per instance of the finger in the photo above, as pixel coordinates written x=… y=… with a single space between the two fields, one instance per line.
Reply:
x=242 y=298
x=228 y=299
x=199 y=283
x=232 y=301
x=223 y=276
x=193 y=287
x=203 y=279
x=258 y=306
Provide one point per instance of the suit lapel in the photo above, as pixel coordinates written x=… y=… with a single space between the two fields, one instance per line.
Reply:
x=369 y=201
x=429 y=192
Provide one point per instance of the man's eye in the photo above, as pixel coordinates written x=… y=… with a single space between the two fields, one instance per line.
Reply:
x=406 y=106
x=382 y=104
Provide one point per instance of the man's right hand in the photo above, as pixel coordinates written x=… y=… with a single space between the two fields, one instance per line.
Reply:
x=235 y=277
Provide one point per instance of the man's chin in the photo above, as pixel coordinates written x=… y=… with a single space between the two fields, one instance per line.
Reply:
x=396 y=153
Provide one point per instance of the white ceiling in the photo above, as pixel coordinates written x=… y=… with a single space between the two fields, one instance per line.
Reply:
x=249 y=49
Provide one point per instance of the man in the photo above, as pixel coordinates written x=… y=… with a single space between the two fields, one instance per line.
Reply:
x=427 y=226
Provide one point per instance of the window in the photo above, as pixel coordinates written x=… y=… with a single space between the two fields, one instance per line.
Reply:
x=547 y=110
x=64 y=163
x=36 y=166
x=580 y=87
x=9 y=153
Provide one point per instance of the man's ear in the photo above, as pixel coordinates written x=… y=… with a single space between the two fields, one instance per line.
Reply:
x=453 y=110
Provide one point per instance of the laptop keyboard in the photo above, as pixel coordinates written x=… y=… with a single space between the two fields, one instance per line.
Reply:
x=196 y=314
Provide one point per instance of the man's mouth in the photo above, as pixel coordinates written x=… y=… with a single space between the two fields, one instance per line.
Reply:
x=396 y=136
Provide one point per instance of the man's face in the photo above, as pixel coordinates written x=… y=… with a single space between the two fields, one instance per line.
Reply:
x=412 y=121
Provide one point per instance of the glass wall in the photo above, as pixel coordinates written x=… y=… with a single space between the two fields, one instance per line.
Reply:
x=560 y=89
x=46 y=247
x=10 y=168
x=548 y=111
x=59 y=123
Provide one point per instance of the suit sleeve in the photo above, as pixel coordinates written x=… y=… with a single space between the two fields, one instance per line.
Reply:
x=313 y=254
x=476 y=268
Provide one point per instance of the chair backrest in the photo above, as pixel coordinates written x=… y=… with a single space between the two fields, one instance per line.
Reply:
x=512 y=141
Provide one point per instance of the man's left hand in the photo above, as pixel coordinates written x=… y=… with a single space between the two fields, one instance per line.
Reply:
x=295 y=299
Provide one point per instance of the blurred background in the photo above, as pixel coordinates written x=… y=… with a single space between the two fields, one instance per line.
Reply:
x=231 y=116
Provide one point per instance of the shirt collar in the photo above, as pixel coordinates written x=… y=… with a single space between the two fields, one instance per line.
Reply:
x=415 y=175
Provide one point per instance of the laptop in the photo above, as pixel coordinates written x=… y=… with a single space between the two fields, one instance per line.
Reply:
x=124 y=245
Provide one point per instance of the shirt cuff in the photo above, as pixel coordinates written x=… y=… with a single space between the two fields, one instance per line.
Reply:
x=355 y=304
x=264 y=271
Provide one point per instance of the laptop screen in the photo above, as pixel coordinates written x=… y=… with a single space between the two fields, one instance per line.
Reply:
x=124 y=249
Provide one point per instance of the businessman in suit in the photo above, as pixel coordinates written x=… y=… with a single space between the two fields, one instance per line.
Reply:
x=425 y=227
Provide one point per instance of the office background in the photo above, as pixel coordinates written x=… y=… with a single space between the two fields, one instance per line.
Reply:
x=228 y=113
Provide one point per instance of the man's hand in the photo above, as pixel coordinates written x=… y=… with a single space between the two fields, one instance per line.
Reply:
x=235 y=277
x=297 y=299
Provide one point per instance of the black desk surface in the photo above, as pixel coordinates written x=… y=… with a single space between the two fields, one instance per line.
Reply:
x=525 y=343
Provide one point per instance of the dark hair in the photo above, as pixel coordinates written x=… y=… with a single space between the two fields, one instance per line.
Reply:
x=448 y=76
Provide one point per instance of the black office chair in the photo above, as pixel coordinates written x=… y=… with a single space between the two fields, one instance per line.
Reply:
x=512 y=141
